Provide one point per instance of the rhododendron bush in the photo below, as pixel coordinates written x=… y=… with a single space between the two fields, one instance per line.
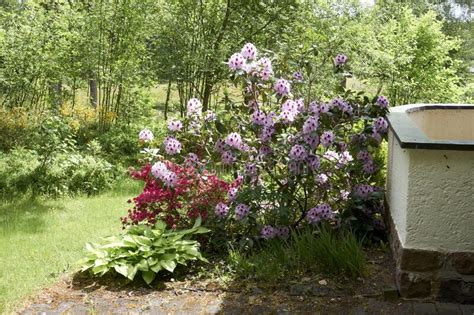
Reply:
x=294 y=161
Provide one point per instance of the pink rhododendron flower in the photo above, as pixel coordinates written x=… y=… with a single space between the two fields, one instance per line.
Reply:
x=363 y=191
x=258 y=117
x=382 y=102
x=175 y=125
x=241 y=211
x=227 y=158
x=282 y=87
x=364 y=155
x=314 y=162
x=298 y=153
x=340 y=60
x=210 y=116
x=380 y=125
x=159 y=169
x=327 y=138
x=172 y=146
x=318 y=213
x=145 y=135
x=194 y=107
x=232 y=193
x=298 y=76
x=267 y=232
x=249 y=51
x=234 y=140
x=221 y=210
x=310 y=125
x=236 y=61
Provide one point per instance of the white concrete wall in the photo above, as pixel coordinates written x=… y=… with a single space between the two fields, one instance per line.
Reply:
x=440 y=213
x=431 y=197
x=397 y=185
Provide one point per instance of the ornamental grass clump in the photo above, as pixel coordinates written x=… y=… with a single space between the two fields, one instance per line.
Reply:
x=324 y=251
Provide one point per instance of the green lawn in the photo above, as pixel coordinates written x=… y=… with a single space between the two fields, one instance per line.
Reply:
x=41 y=238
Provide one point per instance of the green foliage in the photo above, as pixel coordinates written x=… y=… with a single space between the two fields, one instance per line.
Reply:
x=195 y=38
x=71 y=173
x=411 y=59
x=23 y=170
x=145 y=249
x=16 y=171
x=326 y=251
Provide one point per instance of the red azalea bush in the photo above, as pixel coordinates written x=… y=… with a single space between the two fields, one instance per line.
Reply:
x=194 y=192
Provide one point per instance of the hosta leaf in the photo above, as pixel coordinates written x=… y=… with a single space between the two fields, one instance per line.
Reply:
x=148 y=276
x=160 y=226
x=192 y=251
x=142 y=240
x=169 y=265
x=102 y=269
x=100 y=262
x=156 y=268
x=143 y=265
x=202 y=230
x=92 y=248
x=123 y=270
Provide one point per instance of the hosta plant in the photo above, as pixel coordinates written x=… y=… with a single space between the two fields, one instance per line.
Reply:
x=144 y=249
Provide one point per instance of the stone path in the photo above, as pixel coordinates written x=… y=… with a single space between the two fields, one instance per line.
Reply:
x=218 y=302
x=375 y=294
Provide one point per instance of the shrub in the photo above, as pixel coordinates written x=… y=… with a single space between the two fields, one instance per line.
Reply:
x=181 y=194
x=23 y=170
x=295 y=161
x=70 y=173
x=17 y=171
x=145 y=249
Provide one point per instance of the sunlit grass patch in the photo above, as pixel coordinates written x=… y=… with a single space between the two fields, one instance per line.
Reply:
x=42 y=238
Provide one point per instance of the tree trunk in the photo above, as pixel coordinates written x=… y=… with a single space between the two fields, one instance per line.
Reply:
x=168 y=93
x=57 y=97
x=206 y=97
x=93 y=92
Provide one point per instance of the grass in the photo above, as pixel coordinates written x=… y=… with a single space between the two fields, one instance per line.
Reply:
x=41 y=238
x=327 y=252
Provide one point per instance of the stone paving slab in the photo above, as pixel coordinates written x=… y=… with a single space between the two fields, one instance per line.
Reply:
x=164 y=302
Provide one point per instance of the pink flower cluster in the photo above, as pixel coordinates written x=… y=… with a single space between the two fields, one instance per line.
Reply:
x=382 y=102
x=327 y=138
x=320 y=212
x=282 y=87
x=175 y=125
x=221 y=210
x=234 y=140
x=298 y=153
x=194 y=107
x=145 y=135
x=191 y=193
x=340 y=60
x=268 y=232
x=363 y=191
x=241 y=211
x=172 y=146
x=249 y=51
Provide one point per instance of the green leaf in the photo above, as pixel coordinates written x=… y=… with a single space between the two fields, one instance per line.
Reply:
x=148 y=276
x=197 y=223
x=143 y=265
x=102 y=269
x=169 y=265
x=123 y=270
